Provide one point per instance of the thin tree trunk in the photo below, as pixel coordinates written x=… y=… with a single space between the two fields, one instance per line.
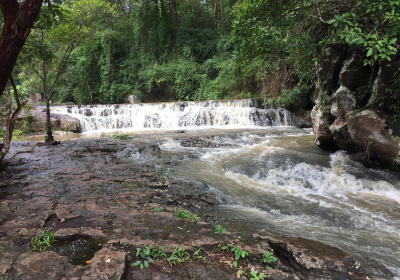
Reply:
x=9 y=119
x=49 y=137
x=110 y=61
x=18 y=21
x=215 y=13
x=5 y=146
x=91 y=97
x=175 y=12
x=222 y=15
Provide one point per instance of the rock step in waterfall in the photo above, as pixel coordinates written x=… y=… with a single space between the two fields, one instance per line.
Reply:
x=176 y=115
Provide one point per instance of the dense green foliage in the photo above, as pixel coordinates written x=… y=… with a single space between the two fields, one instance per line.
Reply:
x=288 y=33
x=196 y=50
x=157 y=50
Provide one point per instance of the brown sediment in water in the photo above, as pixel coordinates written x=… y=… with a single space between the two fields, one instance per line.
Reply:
x=75 y=190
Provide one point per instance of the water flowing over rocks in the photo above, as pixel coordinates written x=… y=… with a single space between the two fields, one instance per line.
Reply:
x=176 y=115
x=75 y=190
x=344 y=89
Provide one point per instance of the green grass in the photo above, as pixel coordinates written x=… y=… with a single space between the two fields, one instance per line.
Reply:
x=43 y=242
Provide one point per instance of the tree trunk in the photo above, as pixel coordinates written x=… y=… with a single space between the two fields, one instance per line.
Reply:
x=49 y=137
x=111 y=62
x=222 y=15
x=5 y=146
x=9 y=120
x=215 y=13
x=18 y=21
x=175 y=12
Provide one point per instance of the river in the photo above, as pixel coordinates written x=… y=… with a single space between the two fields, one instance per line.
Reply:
x=275 y=180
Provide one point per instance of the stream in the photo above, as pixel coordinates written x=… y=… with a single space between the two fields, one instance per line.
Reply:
x=273 y=179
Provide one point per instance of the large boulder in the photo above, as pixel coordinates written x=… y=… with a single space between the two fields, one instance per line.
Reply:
x=373 y=130
x=344 y=102
x=387 y=70
x=344 y=87
x=354 y=73
x=322 y=134
x=302 y=119
x=35 y=121
x=330 y=60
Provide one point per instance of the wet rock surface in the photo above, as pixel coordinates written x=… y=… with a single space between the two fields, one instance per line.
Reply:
x=349 y=94
x=100 y=206
x=373 y=130
x=313 y=260
x=302 y=119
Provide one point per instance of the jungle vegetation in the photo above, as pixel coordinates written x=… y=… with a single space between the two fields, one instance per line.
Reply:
x=99 y=51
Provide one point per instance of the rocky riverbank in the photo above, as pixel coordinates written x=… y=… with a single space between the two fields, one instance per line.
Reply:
x=101 y=208
x=351 y=111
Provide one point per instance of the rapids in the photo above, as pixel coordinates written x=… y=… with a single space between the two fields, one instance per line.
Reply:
x=269 y=177
x=281 y=183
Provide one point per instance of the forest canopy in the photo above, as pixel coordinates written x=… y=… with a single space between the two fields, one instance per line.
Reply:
x=99 y=51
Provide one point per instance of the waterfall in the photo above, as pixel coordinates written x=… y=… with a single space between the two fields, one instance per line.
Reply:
x=233 y=113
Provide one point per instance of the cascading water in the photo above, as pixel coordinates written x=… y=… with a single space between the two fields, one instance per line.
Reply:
x=172 y=115
x=272 y=180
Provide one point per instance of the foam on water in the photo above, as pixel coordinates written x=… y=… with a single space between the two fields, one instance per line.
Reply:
x=283 y=184
x=233 y=113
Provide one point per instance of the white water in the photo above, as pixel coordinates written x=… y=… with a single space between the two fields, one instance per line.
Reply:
x=175 y=115
x=285 y=185
x=276 y=182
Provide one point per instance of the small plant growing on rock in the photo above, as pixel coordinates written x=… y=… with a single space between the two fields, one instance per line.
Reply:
x=239 y=253
x=268 y=259
x=147 y=255
x=184 y=214
x=18 y=235
x=158 y=209
x=219 y=229
x=129 y=185
x=94 y=186
x=254 y=275
x=240 y=272
x=179 y=255
x=197 y=255
x=43 y=242
x=161 y=171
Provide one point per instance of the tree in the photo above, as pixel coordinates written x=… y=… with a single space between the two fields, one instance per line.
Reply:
x=18 y=21
x=50 y=49
x=9 y=117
